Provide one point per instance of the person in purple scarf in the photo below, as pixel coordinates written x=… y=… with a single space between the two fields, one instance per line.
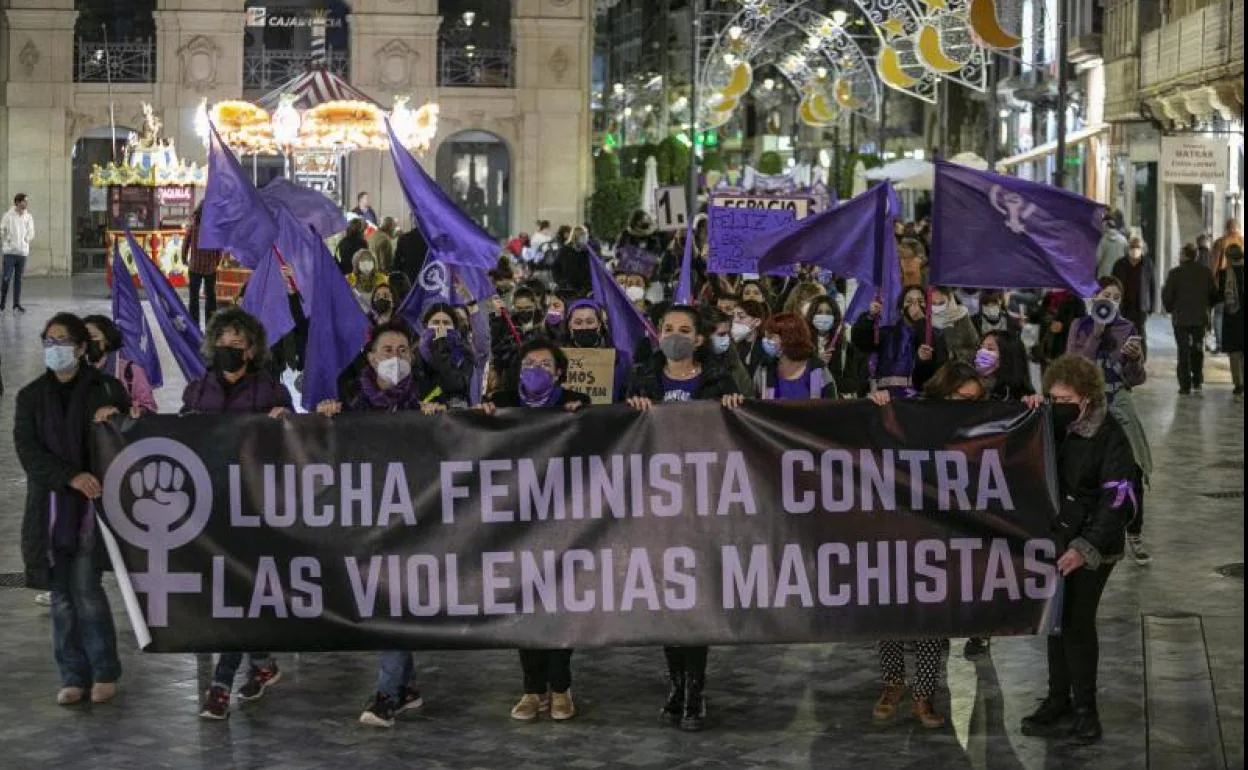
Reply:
x=446 y=368
x=536 y=381
x=387 y=384
x=59 y=544
x=904 y=359
x=237 y=381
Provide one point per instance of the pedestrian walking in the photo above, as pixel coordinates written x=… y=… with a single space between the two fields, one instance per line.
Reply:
x=201 y=266
x=17 y=231
x=1187 y=295
x=1138 y=277
x=1231 y=284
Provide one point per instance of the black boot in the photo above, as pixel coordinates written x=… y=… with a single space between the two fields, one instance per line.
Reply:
x=675 y=706
x=694 y=718
x=1044 y=721
x=1087 y=726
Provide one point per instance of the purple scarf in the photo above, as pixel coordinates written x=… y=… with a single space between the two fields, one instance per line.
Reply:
x=64 y=432
x=405 y=395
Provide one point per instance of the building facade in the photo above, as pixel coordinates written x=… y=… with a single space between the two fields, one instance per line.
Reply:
x=512 y=80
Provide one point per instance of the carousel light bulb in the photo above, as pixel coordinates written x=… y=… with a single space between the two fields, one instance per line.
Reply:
x=839 y=17
x=769 y=84
x=821 y=72
x=202 y=129
x=735 y=32
x=285 y=123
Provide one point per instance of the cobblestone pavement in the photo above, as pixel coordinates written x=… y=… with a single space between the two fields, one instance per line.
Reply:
x=772 y=706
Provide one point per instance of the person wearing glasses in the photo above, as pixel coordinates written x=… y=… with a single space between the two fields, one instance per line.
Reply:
x=905 y=358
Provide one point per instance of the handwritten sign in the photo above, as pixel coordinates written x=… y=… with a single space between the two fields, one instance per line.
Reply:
x=734 y=221
x=591 y=371
x=631 y=258
x=671 y=208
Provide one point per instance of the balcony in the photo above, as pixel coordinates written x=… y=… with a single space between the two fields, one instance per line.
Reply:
x=1200 y=46
x=467 y=66
x=266 y=70
x=131 y=61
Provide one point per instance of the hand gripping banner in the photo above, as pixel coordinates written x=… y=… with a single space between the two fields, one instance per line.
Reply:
x=693 y=524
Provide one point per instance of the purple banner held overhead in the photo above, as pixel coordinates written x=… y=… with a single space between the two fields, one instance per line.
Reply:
x=731 y=229
x=633 y=259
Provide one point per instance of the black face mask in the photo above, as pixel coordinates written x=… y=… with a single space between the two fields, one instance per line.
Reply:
x=523 y=317
x=382 y=305
x=228 y=360
x=1064 y=415
x=586 y=338
x=94 y=352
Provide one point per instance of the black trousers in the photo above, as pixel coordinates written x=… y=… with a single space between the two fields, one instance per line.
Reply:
x=546 y=670
x=687 y=660
x=1191 y=367
x=209 y=285
x=1075 y=652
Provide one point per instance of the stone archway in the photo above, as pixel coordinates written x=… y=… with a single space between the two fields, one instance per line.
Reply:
x=89 y=207
x=474 y=168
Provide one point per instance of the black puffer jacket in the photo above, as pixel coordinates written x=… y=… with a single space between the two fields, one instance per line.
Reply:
x=1092 y=460
x=647 y=381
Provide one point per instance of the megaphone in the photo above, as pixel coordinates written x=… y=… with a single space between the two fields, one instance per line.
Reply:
x=1104 y=311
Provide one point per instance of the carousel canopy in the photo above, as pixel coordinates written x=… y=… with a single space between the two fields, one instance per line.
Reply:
x=313 y=88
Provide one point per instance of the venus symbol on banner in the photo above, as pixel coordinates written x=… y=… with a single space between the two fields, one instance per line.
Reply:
x=158 y=497
x=434 y=277
x=1015 y=207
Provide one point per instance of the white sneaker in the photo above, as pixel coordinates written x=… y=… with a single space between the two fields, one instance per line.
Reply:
x=1139 y=552
x=44 y=599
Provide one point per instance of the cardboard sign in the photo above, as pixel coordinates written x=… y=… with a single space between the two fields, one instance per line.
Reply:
x=591 y=371
x=670 y=208
x=734 y=221
x=800 y=205
x=630 y=258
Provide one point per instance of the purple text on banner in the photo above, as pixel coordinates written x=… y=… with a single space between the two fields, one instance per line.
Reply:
x=731 y=229
x=630 y=258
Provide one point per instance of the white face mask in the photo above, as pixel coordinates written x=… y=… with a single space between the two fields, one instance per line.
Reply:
x=992 y=312
x=394 y=370
x=635 y=293
x=740 y=331
x=366 y=266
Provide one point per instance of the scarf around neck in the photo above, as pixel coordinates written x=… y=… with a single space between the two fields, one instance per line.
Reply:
x=64 y=432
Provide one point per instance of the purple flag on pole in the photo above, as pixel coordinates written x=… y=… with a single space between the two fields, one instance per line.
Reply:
x=993 y=231
x=453 y=238
x=433 y=285
x=337 y=331
x=234 y=217
x=684 y=287
x=267 y=300
x=310 y=207
x=628 y=327
x=137 y=343
x=853 y=240
x=181 y=332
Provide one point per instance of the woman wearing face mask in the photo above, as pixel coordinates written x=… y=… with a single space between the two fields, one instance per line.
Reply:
x=104 y=353
x=1231 y=287
x=792 y=372
x=585 y=328
x=846 y=366
x=682 y=371
x=553 y=327
x=954 y=381
x=524 y=312
x=992 y=315
x=382 y=305
x=953 y=320
x=635 y=288
x=1002 y=362
x=60 y=548
x=753 y=291
x=364 y=276
x=352 y=243
x=1110 y=341
x=1095 y=467
x=721 y=348
x=387 y=385
x=237 y=381
x=537 y=382
x=747 y=324
x=904 y=359
x=446 y=368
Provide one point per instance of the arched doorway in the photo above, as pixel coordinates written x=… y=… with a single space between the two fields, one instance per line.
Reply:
x=97 y=147
x=474 y=168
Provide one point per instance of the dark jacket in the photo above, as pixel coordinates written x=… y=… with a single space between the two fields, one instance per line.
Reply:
x=509 y=398
x=571 y=270
x=1092 y=519
x=256 y=392
x=345 y=255
x=410 y=254
x=1232 y=322
x=897 y=352
x=443 y=380
x=1006 y=323
x=45 y=471
x=850 y=369
x=1188 y=294
x=647 y=382
x=731 y=361
x=1063 y=308
x=1145 y=292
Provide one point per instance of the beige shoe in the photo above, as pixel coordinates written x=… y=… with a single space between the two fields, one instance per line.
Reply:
x=103 y=692
x=561 y=706
x=886 y=706
x=927 y=714
x=68 y=696
x=526 y=708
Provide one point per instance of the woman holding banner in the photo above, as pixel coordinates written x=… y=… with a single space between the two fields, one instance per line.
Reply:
x=59 y=545
x=237 y=381
x=387 y=385
x=907 y=353
x=1095 y=469
x=682 y=371
x=536 y=382
x=793 y=371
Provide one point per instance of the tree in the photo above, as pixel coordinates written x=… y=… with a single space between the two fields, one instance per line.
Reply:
x=770 y=163
x=606 y=168
x=611 y=205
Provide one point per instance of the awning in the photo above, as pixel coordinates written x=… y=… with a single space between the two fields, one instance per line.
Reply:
x=1048 y=148
x=312 y=88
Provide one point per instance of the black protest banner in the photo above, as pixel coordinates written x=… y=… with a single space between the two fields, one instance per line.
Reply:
x=693 y=524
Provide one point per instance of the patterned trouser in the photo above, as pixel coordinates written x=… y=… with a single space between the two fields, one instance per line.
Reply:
x=927 y=662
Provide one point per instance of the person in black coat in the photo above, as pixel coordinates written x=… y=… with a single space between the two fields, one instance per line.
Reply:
x=904 y=358
x=410 y=253
x=1187 y=295
x=60 y=549
x=994 y=316
x=1002 y=361
x=846 y=365
x=683 y=371
x=1055 y=315
x=352 y=242
x=1095 y=468
x=571 y=269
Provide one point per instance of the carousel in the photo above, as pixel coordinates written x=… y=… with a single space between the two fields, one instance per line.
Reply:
x=152 y=193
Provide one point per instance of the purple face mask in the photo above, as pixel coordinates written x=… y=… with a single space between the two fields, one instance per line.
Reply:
x=986 y=361
x=537 y=386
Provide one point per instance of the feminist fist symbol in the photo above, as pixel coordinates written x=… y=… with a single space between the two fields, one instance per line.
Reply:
x=159 y=501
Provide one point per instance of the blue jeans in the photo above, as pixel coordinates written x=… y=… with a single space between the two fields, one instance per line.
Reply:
x=83 y=636
x=14 y=266
x=228 y=663
x=396 y=671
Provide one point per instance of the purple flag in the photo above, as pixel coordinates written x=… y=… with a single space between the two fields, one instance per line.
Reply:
x=137 y=343
x=310 y=207
x=684 y=287
x=453 y=238
x=267 y=300
x=181 y=332
x=337 y=331
x=628 y=327
x=853 y=240
x=993 y=231
x=433 y=285
x=234 y=218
